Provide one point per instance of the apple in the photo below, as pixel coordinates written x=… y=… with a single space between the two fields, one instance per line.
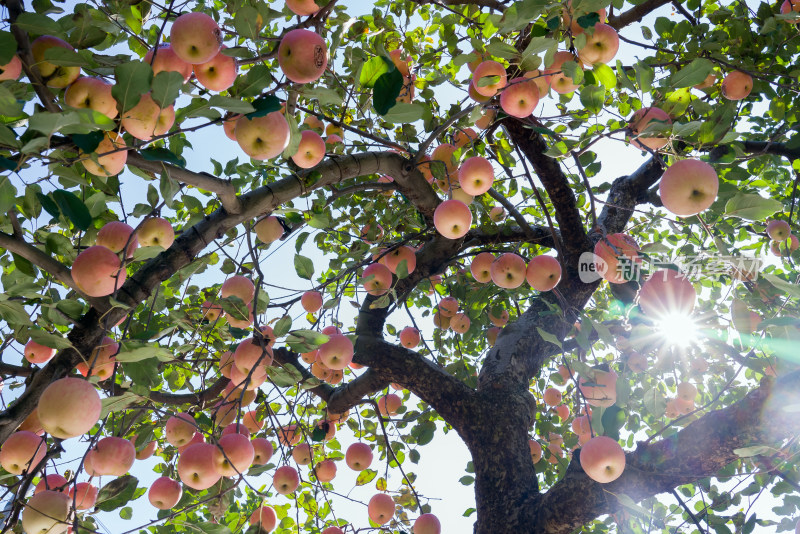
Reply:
x=289 y=435
x=303 y=454
x=600 y=389
x=688 y=187
x=285 y=480
x=444 y=153
x=263 y=137
x=369 y=233
x=250 y=354
x=166 y=60
x=476 y=175
x=497 y=214
x=233 y=455
x=687 y=392
x=459 y=323
x=459 y=194
x=491 y=335
x=328 y=427
x=643 y=118
x=401 y=64
x=499 y=320
x=314 y=123
x=465 y=136
x=404 y=253
x=325 y=471
x=476 y=96
x=196 y=438
x=571 y=19
x=520 y=97
x=195 y=37
x=47 y=513
x=88 y=92
x=389 y=405
x=602 y=459
x=11 y=70
x=536 y=450
x=409 y=337
x=262 y=450
x=508 y=271
x=225 y=363
x=311 y=301
x=377 y=279
x=36 y=353
x=52 y=482
x=84 y=495
x=381 y=508
x=601 y=46
x=637 y=362
x=196 y=466
x=310 y=151
x=486 y=120
x=236 y=428
x=302 y=8
x=448 y=306
x=452 y=219
x=778 y=230
x=113 y=456
x=69 y=407
x=156 y=232
x=302 y=55
x=145 y=451
x=211 y=312
x=427 y=524
x=114 y=159
x=736 y=85
x=180 y=429
x=551 y=396
x=238 y=286
x=249 y=380
x=559 y=81
x=55 y=76
x=337 y=352
x=481 y=267
x=789 y=245
x=540 y=79
x=147 y=119
x=615 y=256
x=667 y=292
x=218 y=73
x=102 y=361
x=32 y=423
x=489 y=77
x=115 y=235
x=21 y=451
x=164 y=493
x=543 y=273
x=581 y=425
x=358 y=456
x=264 y=517
x=563 y=412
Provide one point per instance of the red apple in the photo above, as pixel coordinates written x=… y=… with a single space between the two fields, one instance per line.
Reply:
x=311 y=301
x=481 y=267
x=427 y=524
x=302 y=55
x=21 y=451
x=536 y=450
x=378 y=279
x=56 y=76
x=688 y=187
x=265 y=517
x=263 y=451
x=115 y=235
x=303 y=8
x=114 y=158
x=543 y=273
x=113 y=456
x=218 y=73
x=459 y=323
x=409 y=337
x=84 y=495
x=196 y=466
x=167 y=60
x=551 y=396
x=164 y=493
x=602 y=459
x=499 y=320
x=263 y=137
x=489 y=77
x=643 y=118
x=285 y=480
x=555 y=76
x=52 y=482
x=392 y=259
x=196 y=438
x=337 y=352
x=600 y=389
x=195 y=37
x=778 y=230
x=88 y=92
x=234 y=455
x=381 y=508
x=508 y=271
x=11 y=70
x=601 y=46
x=736 y=85
x=667 y=292
x=250 y=354
x=147 y=119
x=358 y=456
x=289 y=435
x=616 y=256
x=46 y=513
x=520 y=97
x=476 y=175
x=310 y=151
x=238 y=286
x=69 y=407
x=102 y=361
x=180 y=429
x=38 y=354
x=389 y=405
x=452 y=219
x=156 y=232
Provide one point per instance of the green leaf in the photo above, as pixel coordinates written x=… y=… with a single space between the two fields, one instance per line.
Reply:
x=304 y=267
x=134 y=351
x=253 y=82
x=282 y=326
x=116 y=493
x=235 y=307
x=65 y=57
x=692 y=74
x=374 y=69
x=309 y=337
x=605 y=75
x=501 y=49
x=402 y=113
x=264 y=106
x=118 y=403
x=245 y=22
x=48 y=205
x=613 y=420
x=162 y=154
x=73 y=208
x=212 y=528
x=54 y=341
x=88 y=142
x=655 y=402
x=387 y=89
x=14 y=313
x=644 y=76
x=593 y=97
x=752 y=207
x=366 y=476
x=8 y=47
x=550 y=338
x=133 y=80
x=37 y=24
x=294 y=137
x=9 y=105
x=144 y=373
x=23 y=265
x=284 y=376
x=166 y=87
x=234 y=105
x=467 y=480
x=783 y=285
x=8 y=194
x=755 y=450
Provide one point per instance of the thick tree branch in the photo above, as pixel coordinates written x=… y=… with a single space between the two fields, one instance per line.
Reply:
x=493 y=4
x=176 y=399
x=542 y=236
x=700 y=450
x=636 y=13
x=626 y=193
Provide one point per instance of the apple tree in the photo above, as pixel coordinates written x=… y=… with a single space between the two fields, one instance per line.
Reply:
x=233 y=233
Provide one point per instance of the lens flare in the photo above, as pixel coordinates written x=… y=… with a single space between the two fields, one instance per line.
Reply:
x=678 y=329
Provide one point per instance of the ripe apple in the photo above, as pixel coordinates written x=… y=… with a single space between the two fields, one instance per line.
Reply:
x=392 y=259
x=491 y=335
x=218 y=73
x=180 y=429
x=452 y=219
x=238 y=286
x=778 y=230
x=499 y=320
x=88 y=92
x=265 y=517
x=55 y=76
x=69 y=407
x=249 y=380
x=358 y=456
x=263 y=137
x=790 y=6
x=337 y=352
x=11 y=70
x=427 y=524
x=551 y=396
x=489 y=77
x=688 y=187
x=250 y=354
x=459 y=194
x=687 y=391
x=378 y=279
x=32 y=423
x=164 y=493
x=115 y=235
x=195 y=37
x=570 y=18
x=236 y=428
x=601 y=46
x=262 y=451
x=540 y=79
x=536 y=450
x=21 y=451
x=46 y=513
x=311 y=301
x=268 y=229
x=497 y=214
x=156 y=232
x=328 y=427
x=84 y=495
x=448 y=306
x=303 y=454
x=381 y=508
x=736 y=85
x=475 y=95
x=310 y=151
x=147 y=119
x=233 y=455
x=667 y=292
x=389 y=405
x=325 y=471
x=476 y=175
x=196 y=466
x=196 y=438
x=302 y=55
x=285 y=480
x=211 y=313
x=464 y=136
x=38 y=354
x=113 y=456
x=145 y=451
x=543 y=273
x=508 y=271
x=616 y=255
x=520 y=97
x=114 y=158
x=601 y=389
x=459 y=323
x=486 y=120
x=166 y=60
x=52 y=482
x=581 y=425
x=289 y=435
x=643 y=118
x=602 y=459
x=444 y=153
x=481 y=267
x=409 y=337
x=555 y=76
x=637 y=362
x=563 y=411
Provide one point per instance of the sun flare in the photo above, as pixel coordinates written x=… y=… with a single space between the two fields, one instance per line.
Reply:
x=678 y=329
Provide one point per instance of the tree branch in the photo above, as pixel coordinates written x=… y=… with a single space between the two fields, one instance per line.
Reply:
x=492 y=4
x=635 y=14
